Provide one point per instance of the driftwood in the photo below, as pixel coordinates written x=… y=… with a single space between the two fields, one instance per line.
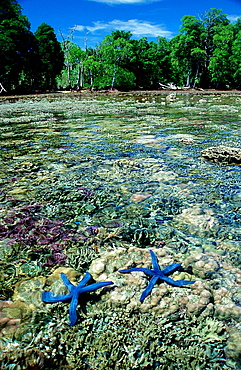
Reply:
x=174 y=87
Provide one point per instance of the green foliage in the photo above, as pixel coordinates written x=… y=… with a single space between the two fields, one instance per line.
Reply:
x=116 y=50
x=205 y=53
x=17 y=45
x=27 y=61
x=51 y=56
x=235 y=58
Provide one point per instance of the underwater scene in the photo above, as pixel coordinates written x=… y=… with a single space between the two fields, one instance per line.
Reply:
x=120 y=232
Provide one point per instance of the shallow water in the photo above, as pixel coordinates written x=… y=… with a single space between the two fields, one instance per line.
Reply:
x=119 y=147
x=132 y=164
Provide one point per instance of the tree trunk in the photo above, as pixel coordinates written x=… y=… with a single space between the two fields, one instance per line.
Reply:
x=2 y=88
x=188 y=74
x=81 y=76
x=196 y=75
x=114 y=77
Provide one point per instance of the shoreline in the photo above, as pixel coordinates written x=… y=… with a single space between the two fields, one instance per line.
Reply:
x=109 y=93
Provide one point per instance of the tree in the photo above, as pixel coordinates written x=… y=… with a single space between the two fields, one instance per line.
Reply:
x=18 y=46
x=149 y=62
x=188 y=50
x=214 y=21
x=92 y=67
x=116 y=51
x=235 y=60
x=220 y=61
x=51 y=57
x=198 y=53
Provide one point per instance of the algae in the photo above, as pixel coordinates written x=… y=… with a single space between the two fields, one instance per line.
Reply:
x=81 y=177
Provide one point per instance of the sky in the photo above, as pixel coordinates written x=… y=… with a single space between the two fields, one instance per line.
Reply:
x=89 y=21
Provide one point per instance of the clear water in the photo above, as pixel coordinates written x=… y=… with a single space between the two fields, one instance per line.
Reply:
x=117 y=147
x=128 y=167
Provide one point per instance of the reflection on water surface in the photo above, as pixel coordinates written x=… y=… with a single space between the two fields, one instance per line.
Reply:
x=113 y=172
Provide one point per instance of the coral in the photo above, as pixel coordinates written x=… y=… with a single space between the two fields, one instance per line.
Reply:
x=217 y=290
x=73 y=202
x=233 y=348
x=25 y=228
x=223 y=154
x=122 y=340
x=7 y=323
x=29 y=290
x=197 y=220
x=158 y=275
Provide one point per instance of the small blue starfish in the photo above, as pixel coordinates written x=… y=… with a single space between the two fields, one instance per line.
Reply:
x=158 y=274
x=75 y=291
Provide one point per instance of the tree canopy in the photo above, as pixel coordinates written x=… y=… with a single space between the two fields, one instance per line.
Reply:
x=27 y=61
x=205 y=53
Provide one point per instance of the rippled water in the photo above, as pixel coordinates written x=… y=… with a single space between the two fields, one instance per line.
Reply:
x=130 y=164
x=118 y=147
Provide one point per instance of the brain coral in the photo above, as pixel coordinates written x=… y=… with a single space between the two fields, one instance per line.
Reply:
x=217 y=290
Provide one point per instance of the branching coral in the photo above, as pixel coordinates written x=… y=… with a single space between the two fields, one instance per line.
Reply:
x=122 y=340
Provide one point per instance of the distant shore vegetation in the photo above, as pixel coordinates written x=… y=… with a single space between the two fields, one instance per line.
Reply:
x=206 y=53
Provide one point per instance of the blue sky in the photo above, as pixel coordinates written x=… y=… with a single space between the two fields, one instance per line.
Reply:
x=92 y=20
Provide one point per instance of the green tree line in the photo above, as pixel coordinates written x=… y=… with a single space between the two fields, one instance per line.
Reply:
x=28 y=62
x=206 y=53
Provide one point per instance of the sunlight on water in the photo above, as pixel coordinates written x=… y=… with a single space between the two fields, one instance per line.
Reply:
x=123 y=172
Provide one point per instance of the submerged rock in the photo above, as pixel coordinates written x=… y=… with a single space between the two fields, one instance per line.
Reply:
x=223 y=154
x=8 y=321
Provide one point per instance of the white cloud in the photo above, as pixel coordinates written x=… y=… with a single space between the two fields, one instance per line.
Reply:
x=233 y=18
x=78 y=27
x=136 y=27
x=127 y=2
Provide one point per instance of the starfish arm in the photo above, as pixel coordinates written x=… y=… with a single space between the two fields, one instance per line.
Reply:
x=85 y=280
x=72 y=309
x=143 y=269
x=49 y=297
x=177 y=282
x=66 y=281
x=171 y=268
x=149 y=288
x=95 y=286
x=154 y=261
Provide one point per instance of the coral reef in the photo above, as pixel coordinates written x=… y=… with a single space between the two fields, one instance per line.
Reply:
x=223 y=154
x=233 y=348
x=7 y=323
x=197 y=221
x=158 y=275
x=73 y=295
x=217 y=290
x=121 y=339
x=95 y=184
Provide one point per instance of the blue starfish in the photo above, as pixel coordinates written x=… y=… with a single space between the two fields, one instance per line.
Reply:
x=75 y=291
x=158 y=274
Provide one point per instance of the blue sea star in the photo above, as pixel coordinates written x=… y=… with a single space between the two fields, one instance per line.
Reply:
x=75 y=291
x=158 y=274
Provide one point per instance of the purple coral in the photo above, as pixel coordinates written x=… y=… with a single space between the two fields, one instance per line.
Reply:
x=26 y=226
